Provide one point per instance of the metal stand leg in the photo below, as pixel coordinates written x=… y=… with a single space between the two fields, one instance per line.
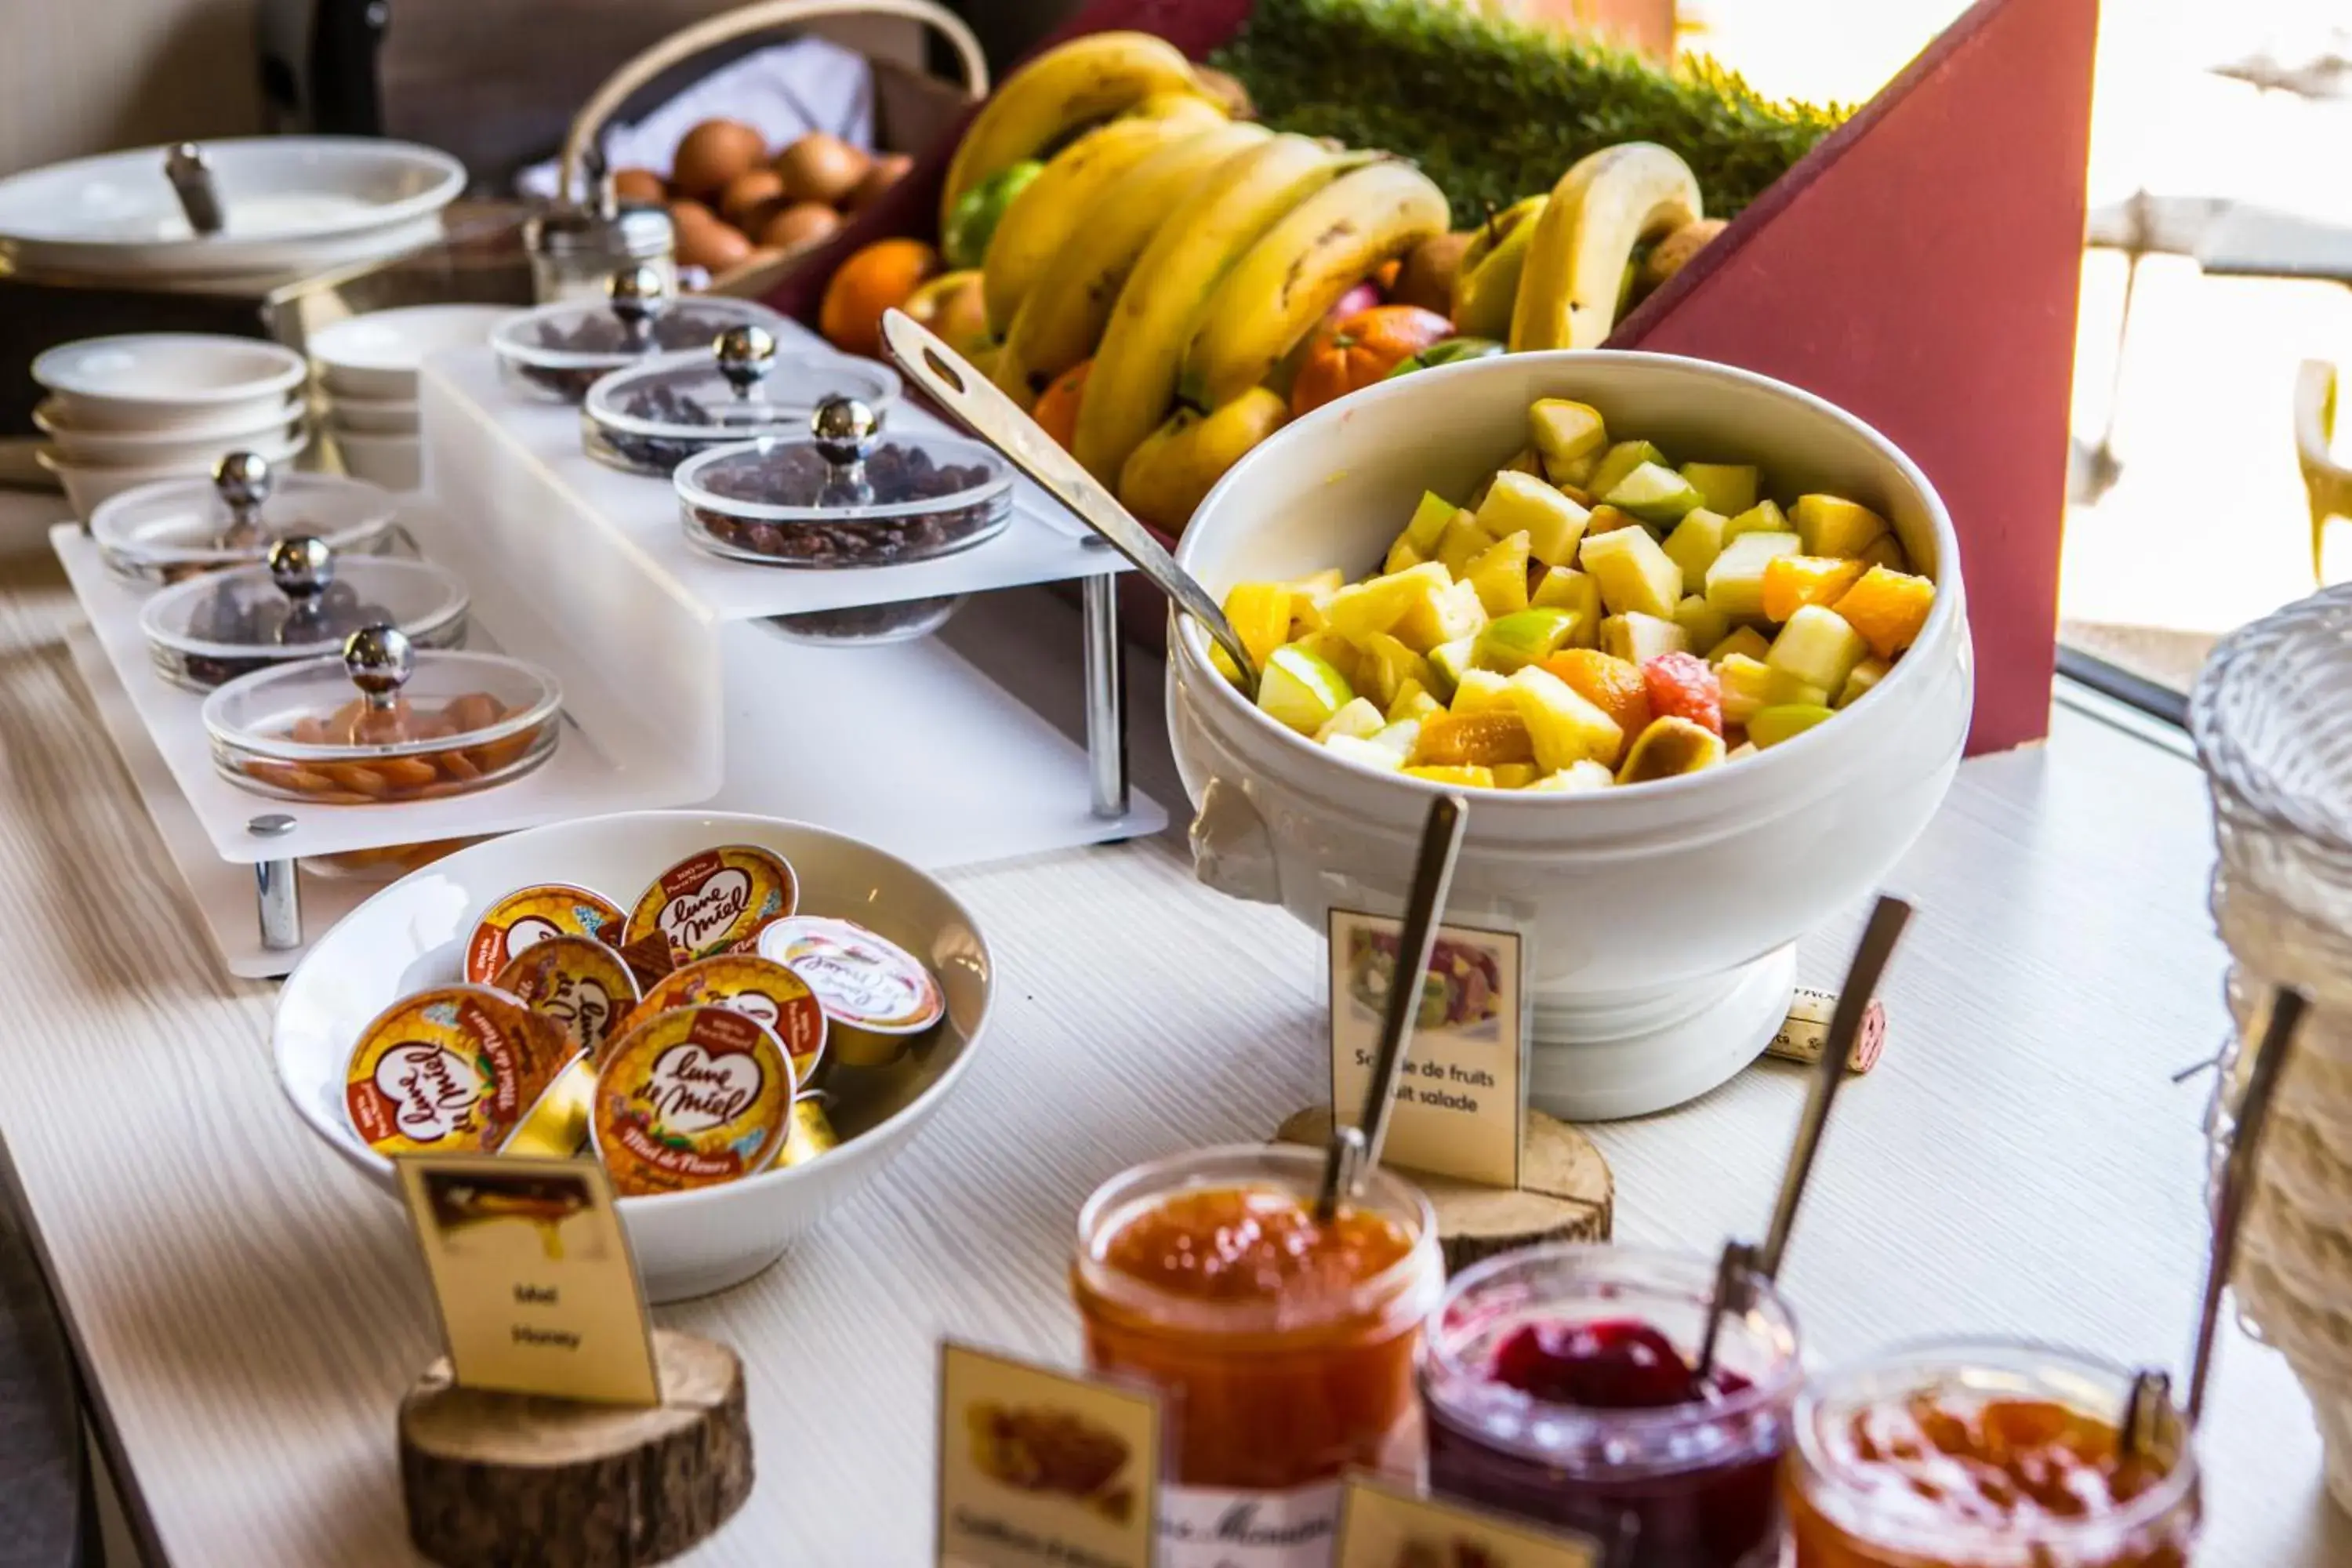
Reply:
x=280 y=898
x=1106 y=697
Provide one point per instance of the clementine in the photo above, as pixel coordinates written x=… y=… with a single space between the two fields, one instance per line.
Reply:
x=883 y=276
x=1057 y=413
x=1358 y=350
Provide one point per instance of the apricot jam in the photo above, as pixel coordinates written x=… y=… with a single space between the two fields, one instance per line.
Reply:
x=1984 y=1456
x=1282 y=1346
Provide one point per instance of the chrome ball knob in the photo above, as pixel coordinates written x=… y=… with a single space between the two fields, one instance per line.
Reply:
x=301 y=565
x=844 y=429
x=243 y=480
x=379 y=659
x=746 y=354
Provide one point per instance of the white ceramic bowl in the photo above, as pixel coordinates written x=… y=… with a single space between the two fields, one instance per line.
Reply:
x=160 y=381
x=89 y=486
x=372 y=416
x=377 y=355
x=412 y=936
x=395 y=462
x=1659 y=918
x=176 y=446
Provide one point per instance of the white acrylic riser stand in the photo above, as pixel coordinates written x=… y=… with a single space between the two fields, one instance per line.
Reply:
x=676 y=690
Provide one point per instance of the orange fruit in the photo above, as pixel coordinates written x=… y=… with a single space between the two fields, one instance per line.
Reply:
x=951 y=305
x=1358 y=350
x=882 y=276
x=1613 y=685
x=1057 y=407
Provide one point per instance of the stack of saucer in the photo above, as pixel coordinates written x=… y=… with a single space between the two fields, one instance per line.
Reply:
x=128 y=411
x=367 y=382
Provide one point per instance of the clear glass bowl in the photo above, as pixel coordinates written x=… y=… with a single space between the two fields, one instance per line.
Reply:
x=208 y=631
x=558 y=352
x=653 y=416
x=165 y=532
x=869 y=625
x=788 y=503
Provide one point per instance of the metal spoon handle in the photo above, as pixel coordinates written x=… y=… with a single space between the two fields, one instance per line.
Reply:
x=192 y=182
x=1432 y=877
x=951 y=379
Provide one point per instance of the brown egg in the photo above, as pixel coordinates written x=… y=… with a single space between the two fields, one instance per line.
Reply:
x=803 y=223
x=886 y=171
x=714 y=246
x=684 y=215
x=821 y=167
x=639 y=185
x=749 y=197
x=714 y=153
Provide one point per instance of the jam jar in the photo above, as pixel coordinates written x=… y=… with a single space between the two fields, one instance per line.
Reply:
x=1282 y=1346
x=1559 y=1385
x=1985 y=1455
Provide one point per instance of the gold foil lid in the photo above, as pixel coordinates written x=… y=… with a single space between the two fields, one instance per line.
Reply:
x=753 y=987
x=863 y=980
x=810 y=1134
x=511 y=927
x=691 y=1097
x=715 y=901
x=557 y=1127
x=450 y=1070
x=576 y=981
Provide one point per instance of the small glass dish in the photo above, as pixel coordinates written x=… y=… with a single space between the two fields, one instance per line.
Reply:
x=419 y=726
x=869 y=625
x=845 y=497
x=302 y=604
x=556 y=353
x=656 y=414
x=177 y=529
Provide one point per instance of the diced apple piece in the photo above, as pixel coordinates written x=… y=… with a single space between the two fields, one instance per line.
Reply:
x=1638 y=638
x=1620 y=460
x=1886 y=551
x=1887 y=608
x=1832 y=525
x=1500 y=574
x=1386 y=667
x=1528 y=638
x=1371 y=753
x=1575 y=474
x=1457 y=778
x=1764 y=517
x=1514 y=775
x=1703 y=625
x=1817 y=648
x=1375 y=604
x=1460 y=542
x=1308 y=594
x=1727 y=487
x=1260 y=613
x=1563 y=727
x=1480 y=689
x=1770 y=726
x=1360 y=720
x=1566 y=588
x=1334 y=650
x=1865 y=675
x=1301 y=691
x=1576 y=778
x=1633 y=573
x=1429 y=521
x=1447 y=662
x=1749 y=684
x=1735 y=584
x=1485 y=738
x=1444 y=614
x=1743 y=750
x=1401 y=557
x=1693 y=544
x=1412 y=701
x=1669 y=748
x=1564 y=431
x=1655 y=493
x=1403 y=736
x=1791 y=581
x=1521 y=503
x=1746 y=640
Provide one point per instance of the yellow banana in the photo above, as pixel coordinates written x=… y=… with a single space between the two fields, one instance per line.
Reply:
x=1133 y=383
x=1298 y=269
x=1488 y=287
x=1033 y=231
x=1062 y=320
x=1086 y=79
x=1603 y=207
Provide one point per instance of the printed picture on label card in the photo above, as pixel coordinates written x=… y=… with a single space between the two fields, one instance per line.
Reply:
x=467 y=1206
x=1462 y=992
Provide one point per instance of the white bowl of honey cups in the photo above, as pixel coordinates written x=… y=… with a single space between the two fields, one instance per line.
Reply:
x=160 y=380
x=412 y=936
x=1659 y=918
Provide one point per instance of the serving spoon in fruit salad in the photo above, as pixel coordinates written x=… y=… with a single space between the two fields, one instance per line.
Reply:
x=959 y=387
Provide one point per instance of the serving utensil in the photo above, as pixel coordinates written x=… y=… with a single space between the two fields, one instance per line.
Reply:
x=192 y=182
x=956 y=385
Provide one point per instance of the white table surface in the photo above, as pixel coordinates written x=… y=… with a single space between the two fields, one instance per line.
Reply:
x=248 y=1310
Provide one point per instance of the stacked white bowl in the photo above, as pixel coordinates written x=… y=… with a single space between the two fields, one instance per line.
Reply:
x=129 y=411
x=367 y=369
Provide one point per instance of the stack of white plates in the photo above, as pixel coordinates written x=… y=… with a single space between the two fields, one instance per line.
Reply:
x=367 y=382
x=129 y=411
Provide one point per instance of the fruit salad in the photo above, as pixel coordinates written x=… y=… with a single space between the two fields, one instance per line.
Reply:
x=1595 y=615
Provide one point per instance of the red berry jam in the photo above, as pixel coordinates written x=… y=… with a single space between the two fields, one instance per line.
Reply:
x=1612 y=1364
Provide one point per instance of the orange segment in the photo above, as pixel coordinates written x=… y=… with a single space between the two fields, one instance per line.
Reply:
x=1493 y=737
x=1887 y=608
x=1792 y=582
x=1611 y=684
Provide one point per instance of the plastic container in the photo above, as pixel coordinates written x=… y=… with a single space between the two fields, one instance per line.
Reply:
x=383 y=723
x=558 y=352
x=1695 y=1480
x=653 y=416
x=180 y=528
x=302 y=605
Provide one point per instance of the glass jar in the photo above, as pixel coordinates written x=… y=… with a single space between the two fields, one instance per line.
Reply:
x=1883 y=1452
x=1683 y=1485
x=574 y=249
x=1277 y=1375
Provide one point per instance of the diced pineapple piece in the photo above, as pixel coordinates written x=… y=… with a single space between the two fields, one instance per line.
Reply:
x=1447 y=661
x=1531 y=636
x=1485 y=738
x=1638 y=638
x=1749 y=684
x=1412 y=701
x=1371 y=753
x=1693 y=544
x=1832 y=525
x=1576 y=778
x=1655 y=493
x=1460 y=542
x=1609 y=520
x=1764 y=517
x=1574 y=474
x=1386 y=667
x=1633 y=573
x=1668 y=748
x=1746 y=640
x=1300 y=690
x=1735 y=584
x=1521 y=504
x=1375 y=604
x=1566 y=588
x=1401 y=557
x=1620 y=460
x=1360 y=720
x=1564 y=431
x=1260 y=613
x=1403 y=736
x=1790 y=581
x=1445 y=614
x=1865 y=676
x=1886 y=551
x=1770 y=726
x=1332 y=649
x=1458 y=778
x=1887 y=608
x=1479 y=690
x=1817 y=648
x=1563 y=727
x=1514 y=775
x=1221 y=662
x=1309 y=594
x=1702 y=623
x=1726 y=488
x=1500 y=574
x=1429 y=519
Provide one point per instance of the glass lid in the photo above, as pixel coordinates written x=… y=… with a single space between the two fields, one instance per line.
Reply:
x=849 y=472
x=302 y=604
x=638 y=316
x=738 y=385
x=232 y=518
x=380 y=699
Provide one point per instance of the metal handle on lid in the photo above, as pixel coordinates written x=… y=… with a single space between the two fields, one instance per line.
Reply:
x=379 y=660
x=639 y=295
x=243 y=480
x=746 y=354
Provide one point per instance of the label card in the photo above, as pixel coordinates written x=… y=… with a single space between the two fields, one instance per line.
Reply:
x=1043 y=1467
x=1381 y=1527
x=1462 y=1099
x=531 y=1271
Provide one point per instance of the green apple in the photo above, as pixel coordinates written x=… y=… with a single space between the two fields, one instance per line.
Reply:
x=1701 y=622
x=1521 y=504
x=1639 y=638
x=1360 y=720
x=1565 y=431
x=1448 y=663
x=1429 y=521
x=1817 y=648
x=1499 y=572
x=1746 y=640
x=1735 y=584
x=1832 y=525
x=1695 y=544
x=1387 y=667
x=1440 y=618
x=1634 y=573
x=1730 y=488
x=1865 y=676
x=1301 y=691
x=1764 y=517
x=1530 y=637
x=1371 y=753
x=1767 y=727
x=1655 y=494
x=1620 y=460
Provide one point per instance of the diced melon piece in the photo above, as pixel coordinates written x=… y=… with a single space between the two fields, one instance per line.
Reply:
x=1792 y=581
x=1620 y=460
x=1638 y=638
x=1490 y=736
x=1450 y=613
x=1817 y=648
x=1576 y=778
x=1764 y=517
x=1531 y=636
x=1832 y=525
x=1886 y=551
x=1429 y=519
x=1401 y=557
x=1360 y=720
x=1655 y=493
x=1670 y=747
x=1479 y=690
x=1564 y=431
x=1260 y=613
x=1514 y=775
x=1735 y=584
x=1458 y=778
x=1770 y=726
x=1460 y=542
x=1726 y=488
x=1447 y=661
x=1563 y=727
x=1371 y=753
x=1412 y=700
x=1865 y=676
x=1702 y=623
x=1404 y=735
x=1376 y=603
x=1521 y=503
x=1500 y=574
x=1887 y=608
x=1300 y=690
x=1746 y=640
x=1693 y=544
x=1633 y=573
x=1386 y=667
x=1334 y=650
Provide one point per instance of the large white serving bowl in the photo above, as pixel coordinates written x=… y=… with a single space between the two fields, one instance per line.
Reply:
x=411 y=936
x=1659 y=918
